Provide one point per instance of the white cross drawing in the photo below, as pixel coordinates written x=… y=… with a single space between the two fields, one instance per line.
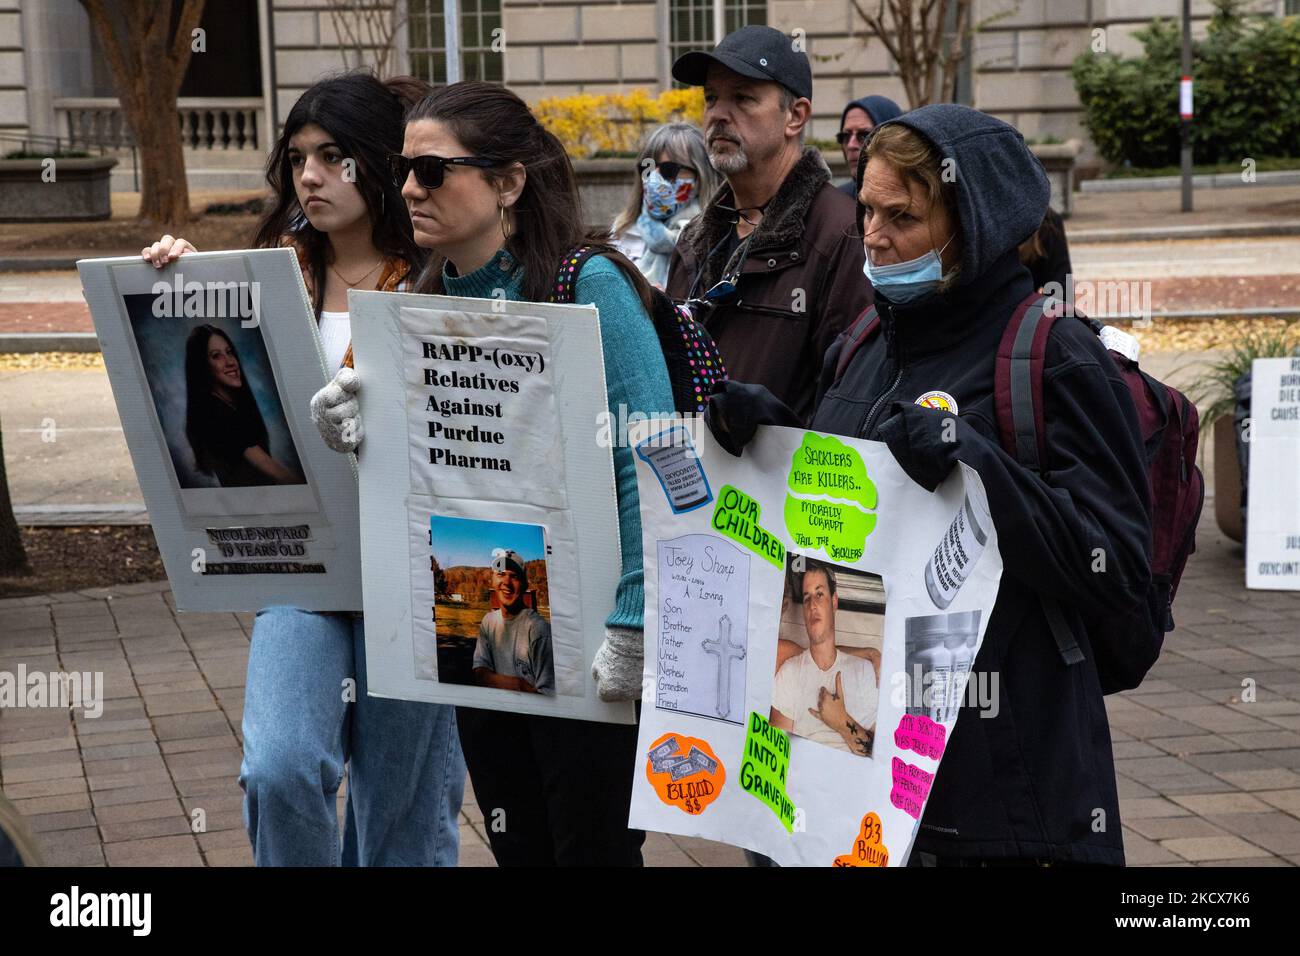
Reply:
x=726 y=652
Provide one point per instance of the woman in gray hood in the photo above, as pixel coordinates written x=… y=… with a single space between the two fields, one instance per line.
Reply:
x=948 y=194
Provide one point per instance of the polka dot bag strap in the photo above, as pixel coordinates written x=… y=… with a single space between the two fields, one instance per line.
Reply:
x=566 y=280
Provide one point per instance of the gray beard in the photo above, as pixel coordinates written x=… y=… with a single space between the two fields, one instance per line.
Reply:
x=730 y=163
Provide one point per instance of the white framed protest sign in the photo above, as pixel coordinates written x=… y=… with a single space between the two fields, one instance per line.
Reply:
x=811 y=621
x=213 y=361
x=1273 y=499
x=489 y=522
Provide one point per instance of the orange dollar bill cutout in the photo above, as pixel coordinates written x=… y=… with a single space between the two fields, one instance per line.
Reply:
x=685 y=772
x=867 y=848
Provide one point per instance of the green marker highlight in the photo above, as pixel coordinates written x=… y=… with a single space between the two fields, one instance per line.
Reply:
x=736 y=515
x=824 y=465
x=823 y=469
x=838 y=529
x=766 y=766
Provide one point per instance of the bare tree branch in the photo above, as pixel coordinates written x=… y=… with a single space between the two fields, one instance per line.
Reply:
x=367 y=28
x=914 y=33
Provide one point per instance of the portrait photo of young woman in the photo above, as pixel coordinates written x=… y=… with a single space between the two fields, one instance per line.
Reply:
x=222 y=420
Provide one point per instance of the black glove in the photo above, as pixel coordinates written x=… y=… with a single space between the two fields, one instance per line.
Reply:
x=923 y=441
x=735 y=410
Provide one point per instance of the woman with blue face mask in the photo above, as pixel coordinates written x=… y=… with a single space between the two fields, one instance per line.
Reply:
x=673 y=178
x=948 y=194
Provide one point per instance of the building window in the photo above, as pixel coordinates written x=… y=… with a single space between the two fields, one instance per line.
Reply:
x=427 y=43
x=692 y=21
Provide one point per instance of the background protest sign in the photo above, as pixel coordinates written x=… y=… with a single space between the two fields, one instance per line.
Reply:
x=489 y=524
x=810 y=631
x=213 y=362
x=1273 y=501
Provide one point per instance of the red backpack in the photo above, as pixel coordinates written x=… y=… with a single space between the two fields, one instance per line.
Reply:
x=1169 y=425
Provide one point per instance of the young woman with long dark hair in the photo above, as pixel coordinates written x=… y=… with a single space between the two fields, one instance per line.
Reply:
x=306 y=710
x=222 y=421
x=494 y=194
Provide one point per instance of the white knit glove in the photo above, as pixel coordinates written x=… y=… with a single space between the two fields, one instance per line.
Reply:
x=336 y=413
x=618 y=664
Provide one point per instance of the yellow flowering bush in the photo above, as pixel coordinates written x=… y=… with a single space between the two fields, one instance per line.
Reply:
x=588 y=124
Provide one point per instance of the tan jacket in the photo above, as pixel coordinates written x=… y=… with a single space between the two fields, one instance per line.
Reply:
x=392 y=278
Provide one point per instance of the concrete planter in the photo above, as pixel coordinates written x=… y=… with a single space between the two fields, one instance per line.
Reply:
x=1227 y=479
x=79 y=191
x=1059 y=160
x=604 y=185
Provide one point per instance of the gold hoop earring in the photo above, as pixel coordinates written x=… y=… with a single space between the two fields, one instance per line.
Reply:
x=504 y=234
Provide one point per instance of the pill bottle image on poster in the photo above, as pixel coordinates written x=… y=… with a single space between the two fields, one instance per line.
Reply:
x=959 y=549
x=963 y=633
x=928 y=660
x=940 y=651
x=675 y=462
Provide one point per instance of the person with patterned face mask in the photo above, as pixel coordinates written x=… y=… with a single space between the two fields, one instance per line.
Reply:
x=673 y=176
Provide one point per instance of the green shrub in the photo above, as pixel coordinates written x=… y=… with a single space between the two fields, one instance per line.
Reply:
x=1247 y=92
x=49 y=154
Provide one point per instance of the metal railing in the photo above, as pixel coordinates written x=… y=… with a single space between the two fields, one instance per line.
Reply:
x=225 y=123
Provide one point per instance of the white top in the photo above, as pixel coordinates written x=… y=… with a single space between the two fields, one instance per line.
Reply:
x=335 y=334
x=799 y=680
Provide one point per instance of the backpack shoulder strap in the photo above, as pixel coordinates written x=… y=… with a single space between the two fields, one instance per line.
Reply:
x=1018 y=397
x=856 y=336
x=566 y=278
x=1018 y=380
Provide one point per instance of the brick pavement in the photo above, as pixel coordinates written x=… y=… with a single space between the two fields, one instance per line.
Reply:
x=1206 y=777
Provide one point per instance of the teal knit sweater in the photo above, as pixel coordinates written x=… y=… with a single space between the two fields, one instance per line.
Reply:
x=635 y=377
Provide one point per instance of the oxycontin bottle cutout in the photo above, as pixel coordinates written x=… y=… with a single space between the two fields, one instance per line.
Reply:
x=677 y=466
x=928 y=662
x=940 y=651
x=963 y=633
x=959 y=549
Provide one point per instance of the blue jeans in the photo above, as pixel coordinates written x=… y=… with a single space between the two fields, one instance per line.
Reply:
x=301 y=726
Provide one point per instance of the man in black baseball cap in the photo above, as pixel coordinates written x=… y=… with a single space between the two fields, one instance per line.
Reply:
x=771 y=265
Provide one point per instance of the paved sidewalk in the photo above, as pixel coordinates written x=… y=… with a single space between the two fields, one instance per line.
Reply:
x=1116 y=212
x=1204 y=778
x=126 y=788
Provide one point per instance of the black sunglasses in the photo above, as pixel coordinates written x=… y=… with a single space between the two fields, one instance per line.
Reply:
x=429 y=170
x=725 y=290
x=845 y=135
x=669 y=171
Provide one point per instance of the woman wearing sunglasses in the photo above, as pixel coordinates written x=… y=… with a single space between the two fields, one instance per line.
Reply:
x=494 y=194
x=306 y=709
x=673 y=176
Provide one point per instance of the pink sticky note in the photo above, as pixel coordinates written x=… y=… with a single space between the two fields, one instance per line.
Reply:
x=918 y=732
x=911 y=787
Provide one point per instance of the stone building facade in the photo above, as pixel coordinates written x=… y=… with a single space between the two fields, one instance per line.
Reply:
x=261 y=54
